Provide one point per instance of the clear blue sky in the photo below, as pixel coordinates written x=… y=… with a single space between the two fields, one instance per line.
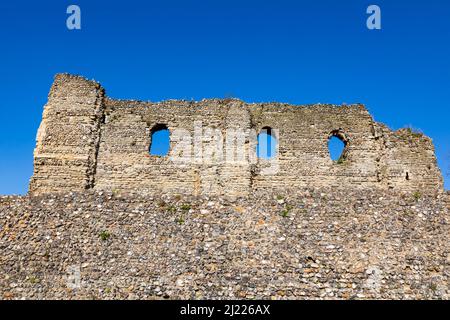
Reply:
x=291 y=51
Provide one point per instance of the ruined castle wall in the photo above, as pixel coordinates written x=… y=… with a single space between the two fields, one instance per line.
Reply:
x=304 y=158
x=374 y=157
x=331 y=244
x=89 y=141
x=67 y=139
x=409 y=162
x=124 y=161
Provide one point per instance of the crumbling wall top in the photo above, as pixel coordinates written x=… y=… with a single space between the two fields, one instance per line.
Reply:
x=89 y=141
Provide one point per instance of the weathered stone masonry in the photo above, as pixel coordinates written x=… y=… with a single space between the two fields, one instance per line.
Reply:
x=137 y=226
x=89 y=141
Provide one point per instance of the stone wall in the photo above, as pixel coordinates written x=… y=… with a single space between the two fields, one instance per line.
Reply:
x=67 y=139
x=89 y=141
x=298 y=244
x=105 y=219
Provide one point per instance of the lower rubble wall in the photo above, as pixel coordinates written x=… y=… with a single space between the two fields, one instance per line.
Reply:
x=310 y=244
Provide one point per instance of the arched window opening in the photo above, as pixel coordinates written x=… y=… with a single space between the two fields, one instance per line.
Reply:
x=407 y=175
x=266 y=147
x=336 y=147
x=160 y=142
